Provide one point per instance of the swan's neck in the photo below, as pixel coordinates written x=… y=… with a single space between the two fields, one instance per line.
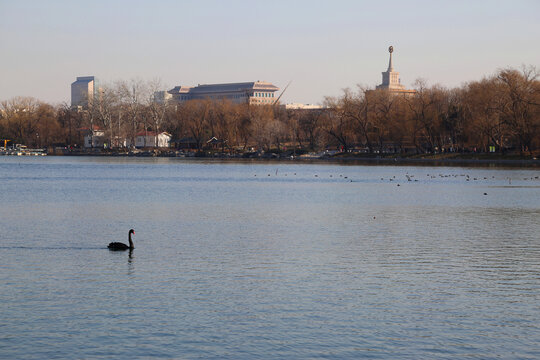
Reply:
x=130 y=242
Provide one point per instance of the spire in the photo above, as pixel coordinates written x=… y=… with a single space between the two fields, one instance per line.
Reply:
x=390 y=79
x=390 y=66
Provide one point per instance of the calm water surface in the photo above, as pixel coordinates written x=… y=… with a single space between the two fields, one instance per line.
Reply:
x=267 y=260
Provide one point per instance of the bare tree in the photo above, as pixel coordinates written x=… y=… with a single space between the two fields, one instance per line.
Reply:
x=355 y=109
x=481 y=106
x=157 y=110
x=48 y=130
x=520 y=101
x=260 y=120
x=310 y=124
x=243 y=125
x=194 y=114
x=105 y=109
x=71 y=120
x=225 y=115
x=133 y=95
x=19 y=118
x=337 y=123
x=382 y=113
x=425 y=120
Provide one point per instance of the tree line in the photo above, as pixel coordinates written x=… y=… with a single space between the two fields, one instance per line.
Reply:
x=500 y=112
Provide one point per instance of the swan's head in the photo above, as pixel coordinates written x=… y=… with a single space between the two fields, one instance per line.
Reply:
x=131 y=231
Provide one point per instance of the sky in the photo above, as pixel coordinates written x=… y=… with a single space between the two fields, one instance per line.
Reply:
x=320 y=47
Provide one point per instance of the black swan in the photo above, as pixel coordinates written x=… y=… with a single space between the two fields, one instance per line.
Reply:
x=117 y=246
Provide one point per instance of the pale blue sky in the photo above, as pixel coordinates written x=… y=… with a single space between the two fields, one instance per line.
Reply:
x=322 y=46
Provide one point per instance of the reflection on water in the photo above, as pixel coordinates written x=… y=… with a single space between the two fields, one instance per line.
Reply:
x=131 y=263
x=267 y=260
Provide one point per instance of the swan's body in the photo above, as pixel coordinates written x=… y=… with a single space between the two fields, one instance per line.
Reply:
x=118 y=246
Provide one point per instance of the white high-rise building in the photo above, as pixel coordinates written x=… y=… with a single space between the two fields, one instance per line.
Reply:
x=82 y=91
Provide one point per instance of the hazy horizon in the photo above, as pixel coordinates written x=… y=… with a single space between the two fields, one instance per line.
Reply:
x=321 y=47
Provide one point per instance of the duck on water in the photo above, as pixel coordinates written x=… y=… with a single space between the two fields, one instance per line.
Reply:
x=118 y=246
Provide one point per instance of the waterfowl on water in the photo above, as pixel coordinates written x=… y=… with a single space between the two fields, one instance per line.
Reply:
x=118 y=246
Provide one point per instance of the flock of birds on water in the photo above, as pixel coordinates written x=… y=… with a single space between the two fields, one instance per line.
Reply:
x=413 y=178
x=118 y=246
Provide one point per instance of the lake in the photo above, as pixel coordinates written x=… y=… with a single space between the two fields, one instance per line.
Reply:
x=265 y=260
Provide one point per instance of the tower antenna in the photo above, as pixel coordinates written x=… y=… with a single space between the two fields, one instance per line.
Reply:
x=279 y=97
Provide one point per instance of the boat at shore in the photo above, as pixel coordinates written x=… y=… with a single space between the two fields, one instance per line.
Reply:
x=22 y=151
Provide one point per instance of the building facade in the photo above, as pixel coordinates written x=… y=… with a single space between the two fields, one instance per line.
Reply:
x=82 y=91
x=150 y=139
x=94 y=137
x=299 y=106
x=162 y=97
x=254 y=93
x=391 y=81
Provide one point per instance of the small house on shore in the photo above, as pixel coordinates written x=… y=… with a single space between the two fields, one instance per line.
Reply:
x=93 y=137
x=151 y=139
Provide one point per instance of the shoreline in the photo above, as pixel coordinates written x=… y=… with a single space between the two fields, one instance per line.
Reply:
x=481 y=159
x=444 y=161
x=349 y=160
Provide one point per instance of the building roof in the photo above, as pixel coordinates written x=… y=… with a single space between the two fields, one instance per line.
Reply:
x=85 y=78
x=180 y=90
x=95 y=127
x=299 y=106
x=228 y=87
x=151 y=133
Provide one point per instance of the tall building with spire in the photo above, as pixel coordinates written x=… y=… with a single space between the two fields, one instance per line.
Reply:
x=390 y=79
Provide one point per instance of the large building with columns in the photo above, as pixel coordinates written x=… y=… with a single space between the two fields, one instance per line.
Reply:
x=254 y=93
